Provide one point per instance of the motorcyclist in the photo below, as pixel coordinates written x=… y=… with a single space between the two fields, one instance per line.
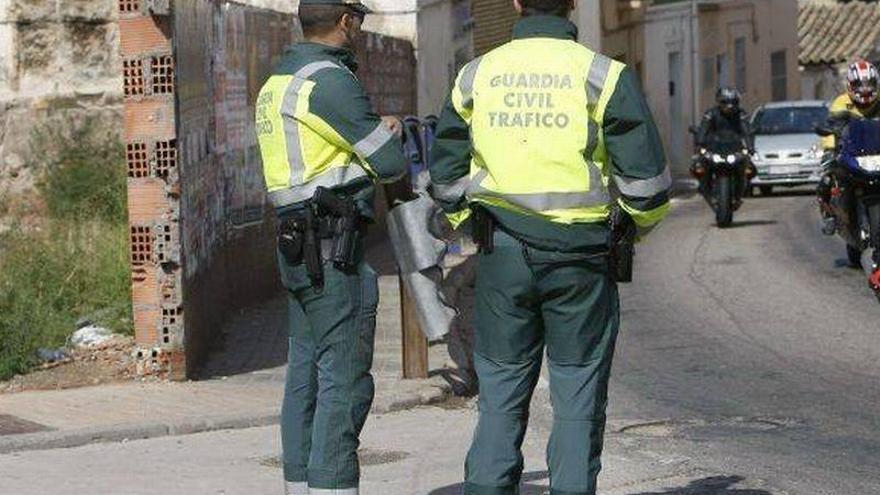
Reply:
x=860 y=101
x=726 y=121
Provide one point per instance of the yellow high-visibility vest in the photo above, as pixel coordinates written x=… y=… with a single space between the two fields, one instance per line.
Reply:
x=300 y=150
x=539 y=102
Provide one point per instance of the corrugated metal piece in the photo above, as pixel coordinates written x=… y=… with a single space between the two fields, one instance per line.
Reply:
x=493 y=24
x=831 y=33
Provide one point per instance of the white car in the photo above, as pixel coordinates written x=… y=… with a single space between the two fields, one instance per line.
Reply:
x=787 y=150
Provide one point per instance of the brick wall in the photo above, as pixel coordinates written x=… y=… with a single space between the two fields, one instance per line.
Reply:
x=202 y=233
x=493 y=24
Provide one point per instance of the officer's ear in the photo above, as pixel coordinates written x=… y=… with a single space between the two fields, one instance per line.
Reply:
x=517 y=6
x=345 y=21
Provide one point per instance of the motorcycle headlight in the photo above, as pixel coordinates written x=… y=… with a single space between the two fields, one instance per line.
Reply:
x=731 y=159
x=869 y=163
x=717 y=158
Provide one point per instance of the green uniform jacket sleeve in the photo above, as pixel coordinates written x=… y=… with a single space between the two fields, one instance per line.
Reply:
x=450 y=160
x=635 y=151
x=340 y=101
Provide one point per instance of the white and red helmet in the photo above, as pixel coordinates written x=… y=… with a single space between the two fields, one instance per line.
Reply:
x=862 y=83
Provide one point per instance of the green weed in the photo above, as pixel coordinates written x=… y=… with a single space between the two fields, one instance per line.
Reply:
x=75 y=264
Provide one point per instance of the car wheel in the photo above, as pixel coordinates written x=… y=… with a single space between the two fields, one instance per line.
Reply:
x=766 y=190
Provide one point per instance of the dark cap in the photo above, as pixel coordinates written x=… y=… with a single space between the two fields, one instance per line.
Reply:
x=353 y=4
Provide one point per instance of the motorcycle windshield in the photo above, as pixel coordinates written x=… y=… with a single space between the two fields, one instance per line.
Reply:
x=862 y=138
x=725 y=145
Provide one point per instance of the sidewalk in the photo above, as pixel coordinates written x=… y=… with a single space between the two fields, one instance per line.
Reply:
x=244 y=390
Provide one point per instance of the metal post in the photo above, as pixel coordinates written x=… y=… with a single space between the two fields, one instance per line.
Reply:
x=695 y=61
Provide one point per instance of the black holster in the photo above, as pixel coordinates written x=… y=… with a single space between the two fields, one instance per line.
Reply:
x=347 y=227
x=622 y=248
x=312 y=255
x=483 y=226
x=299 y=242
x=290 y=240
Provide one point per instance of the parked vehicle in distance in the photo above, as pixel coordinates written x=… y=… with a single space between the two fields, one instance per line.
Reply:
x=787 y=150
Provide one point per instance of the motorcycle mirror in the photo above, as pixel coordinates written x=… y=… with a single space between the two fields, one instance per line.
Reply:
x=822 y=130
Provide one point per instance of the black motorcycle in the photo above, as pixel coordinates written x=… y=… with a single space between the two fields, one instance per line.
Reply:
x=855 y=192
x=724 y=168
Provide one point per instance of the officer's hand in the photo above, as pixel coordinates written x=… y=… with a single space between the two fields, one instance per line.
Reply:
x=394 y=123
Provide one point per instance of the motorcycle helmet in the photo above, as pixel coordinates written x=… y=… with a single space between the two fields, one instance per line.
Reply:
x=862 y=83
x=728 y=100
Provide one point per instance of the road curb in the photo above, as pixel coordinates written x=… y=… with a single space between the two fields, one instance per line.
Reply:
x=431 y=392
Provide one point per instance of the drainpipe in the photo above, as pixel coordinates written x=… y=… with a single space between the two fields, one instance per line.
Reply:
x=695 y=61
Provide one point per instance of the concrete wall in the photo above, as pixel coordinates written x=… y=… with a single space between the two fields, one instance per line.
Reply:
x=822 y=82
x=57 y=65
x=767 y=26
x=657 y=39
x=669 y=30
x=440 y=31
x=588 y=18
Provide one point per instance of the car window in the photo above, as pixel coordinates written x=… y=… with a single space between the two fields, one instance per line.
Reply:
x=792 y=120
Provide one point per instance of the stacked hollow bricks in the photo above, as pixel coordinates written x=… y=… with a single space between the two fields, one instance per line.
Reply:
x=153 y=186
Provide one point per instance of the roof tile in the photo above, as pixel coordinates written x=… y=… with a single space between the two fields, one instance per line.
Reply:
x=831 y=33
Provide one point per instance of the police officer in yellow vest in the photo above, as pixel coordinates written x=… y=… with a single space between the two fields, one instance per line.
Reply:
x=323 y=147
x=540 y=139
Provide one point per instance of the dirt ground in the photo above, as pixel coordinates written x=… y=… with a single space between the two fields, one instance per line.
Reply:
x=107 y=363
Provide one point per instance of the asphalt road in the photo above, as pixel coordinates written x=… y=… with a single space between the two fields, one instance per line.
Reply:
x=750 y=353
x=748 y=364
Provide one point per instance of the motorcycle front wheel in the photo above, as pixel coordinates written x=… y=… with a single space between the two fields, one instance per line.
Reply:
x=854 y=256
x=724 y=205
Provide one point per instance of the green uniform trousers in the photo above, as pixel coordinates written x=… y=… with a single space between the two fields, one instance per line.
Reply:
x=528 y=299
x=329 y=388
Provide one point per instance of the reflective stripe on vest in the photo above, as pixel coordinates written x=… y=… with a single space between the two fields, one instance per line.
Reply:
x=452 y=192
x=369 y=145
x=303 y=192
x=468 y=75
x=291 y=125
x=546 y=201
x=644 y=188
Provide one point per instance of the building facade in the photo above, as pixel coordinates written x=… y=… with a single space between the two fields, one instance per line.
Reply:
x=440 y=31
x=684 y=50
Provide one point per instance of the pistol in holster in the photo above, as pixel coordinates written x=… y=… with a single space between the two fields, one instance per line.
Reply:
x=346 y=227
x=622 y=249
x=483 y=226
x=325 y=216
